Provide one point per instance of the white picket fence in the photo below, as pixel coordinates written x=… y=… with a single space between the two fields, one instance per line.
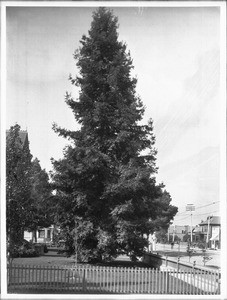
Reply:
x=96 y=279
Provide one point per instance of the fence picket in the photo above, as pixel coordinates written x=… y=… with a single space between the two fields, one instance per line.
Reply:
x=201 y=283
x=204 y=283
x=206 y=286
x=213 y=281
x=149 y=281
x=35 y=284
x=152 y=281
x=22 y=274
x=19 y=276
x=96 y=279
x=181 y=281
x=142 y=280
x=112 y=279
x=126 y=289
x=163 y=283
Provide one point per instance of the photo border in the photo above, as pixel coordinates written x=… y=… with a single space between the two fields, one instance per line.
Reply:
x=222 y=5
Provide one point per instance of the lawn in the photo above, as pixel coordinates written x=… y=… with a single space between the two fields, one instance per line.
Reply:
x=53 y=259
x=49 y=259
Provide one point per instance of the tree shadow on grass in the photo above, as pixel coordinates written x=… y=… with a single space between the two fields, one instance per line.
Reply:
x=123 y=264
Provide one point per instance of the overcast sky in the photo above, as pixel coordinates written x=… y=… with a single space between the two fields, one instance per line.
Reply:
x=175 y=53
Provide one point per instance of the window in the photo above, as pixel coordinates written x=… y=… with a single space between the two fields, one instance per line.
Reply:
x=48 y=233
x=41 y=234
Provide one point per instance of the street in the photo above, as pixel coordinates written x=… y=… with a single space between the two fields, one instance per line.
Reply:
x=197 y=255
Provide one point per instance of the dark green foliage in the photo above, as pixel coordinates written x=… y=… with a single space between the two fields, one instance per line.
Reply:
x=23 y=249
x=27 y=190
x=40 y=201
x=162 y=236
x=18 y=185
x=107 y=196
x=201 y=244
x=186 y=237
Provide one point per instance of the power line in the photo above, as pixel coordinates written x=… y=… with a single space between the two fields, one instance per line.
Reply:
x=207 y=213
x=208 y=204
x=185 y=212
x=196 y=215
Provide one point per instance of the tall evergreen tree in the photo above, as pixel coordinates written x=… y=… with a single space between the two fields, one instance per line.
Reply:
x=18 y=185
x=40 y=201
x=106 y=189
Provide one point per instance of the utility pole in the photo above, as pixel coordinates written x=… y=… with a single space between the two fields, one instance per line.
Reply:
x=190 y=207
x=174 y=229
x=208 y=229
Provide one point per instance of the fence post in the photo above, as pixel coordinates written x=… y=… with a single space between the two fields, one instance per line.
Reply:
x=9 y=270
x=178 y=260
x=219 y=283
x=194 y=262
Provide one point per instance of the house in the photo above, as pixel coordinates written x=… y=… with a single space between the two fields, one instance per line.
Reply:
x=209 y=231
x=178 y=231
x=44 y=235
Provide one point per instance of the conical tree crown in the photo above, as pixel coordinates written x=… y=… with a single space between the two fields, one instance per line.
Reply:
x=107 y=108
x=105 y=179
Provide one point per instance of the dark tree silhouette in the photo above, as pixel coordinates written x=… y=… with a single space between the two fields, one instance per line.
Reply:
x=106 y=189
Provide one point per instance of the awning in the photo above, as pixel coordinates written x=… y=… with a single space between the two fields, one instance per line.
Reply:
x=215 y=237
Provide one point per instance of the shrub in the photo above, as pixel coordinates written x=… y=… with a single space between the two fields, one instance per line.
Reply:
x=28 y=253
x=45 y=248
x=201 y=245
x=23 y=251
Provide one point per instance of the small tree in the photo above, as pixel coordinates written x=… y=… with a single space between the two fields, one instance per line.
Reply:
x=189 y=251
x=206 y=257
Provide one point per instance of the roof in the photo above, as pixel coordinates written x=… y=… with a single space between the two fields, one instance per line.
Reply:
x=215 y=220
x=196 y=229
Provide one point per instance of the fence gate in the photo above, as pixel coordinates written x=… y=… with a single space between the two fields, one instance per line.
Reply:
x=82 y=279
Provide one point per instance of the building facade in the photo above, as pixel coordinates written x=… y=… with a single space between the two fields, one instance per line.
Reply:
x=43 y=235
x=209 y=232
x=178 y=232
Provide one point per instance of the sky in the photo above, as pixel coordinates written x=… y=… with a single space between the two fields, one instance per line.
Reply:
x=176 y=58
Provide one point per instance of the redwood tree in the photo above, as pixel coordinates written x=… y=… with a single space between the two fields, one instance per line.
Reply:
x=106 y=192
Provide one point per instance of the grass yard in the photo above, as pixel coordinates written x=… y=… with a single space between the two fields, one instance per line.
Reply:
x=45 y=260
x=53 y=259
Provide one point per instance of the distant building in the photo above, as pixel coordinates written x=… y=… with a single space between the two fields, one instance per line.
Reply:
x=44 y=235
x=209 y=231
x=178 y=231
